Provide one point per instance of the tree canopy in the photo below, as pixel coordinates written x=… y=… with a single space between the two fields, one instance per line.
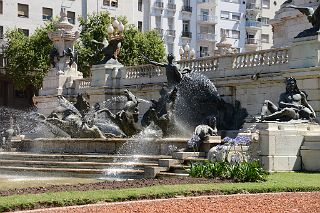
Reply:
x=134 y=45
x=27 y=57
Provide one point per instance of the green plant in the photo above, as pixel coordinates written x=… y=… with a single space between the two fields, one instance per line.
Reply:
x=27 y=57
x=240 y=171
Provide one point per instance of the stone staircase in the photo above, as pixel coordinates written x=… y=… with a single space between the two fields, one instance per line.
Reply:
x=177 y=166
x=73 y=165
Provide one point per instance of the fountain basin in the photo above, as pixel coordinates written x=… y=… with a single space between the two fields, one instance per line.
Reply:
x=106 y=146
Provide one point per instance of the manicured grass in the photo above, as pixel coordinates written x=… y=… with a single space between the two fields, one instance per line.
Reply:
x=277 y=182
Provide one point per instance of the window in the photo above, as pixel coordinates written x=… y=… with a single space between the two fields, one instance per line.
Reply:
x=140 y=26
x=170 y=23
x=224 y=15
x=139 y=5
x=204 y=29
x=235 y=34
x=71 y=17
x=46 y=13
x=236 y=16
x=23 y=10
x=225 y=31
x=265 y=38
x=265 y=21
x=24 y=31
x=204 y=51
x=1 y=32
x=204 y=14
x=112 y=3
x=1 y=7
x=186 y=26
x=186 y=2
x=158 y=21
x=266 y=4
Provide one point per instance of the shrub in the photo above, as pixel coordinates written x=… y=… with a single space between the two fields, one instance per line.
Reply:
x=240 y=171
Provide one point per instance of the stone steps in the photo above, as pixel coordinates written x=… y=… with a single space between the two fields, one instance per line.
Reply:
x=81 y=165
x=178 y=166
x=84 y=165
x=82 y=158
x=71 y=172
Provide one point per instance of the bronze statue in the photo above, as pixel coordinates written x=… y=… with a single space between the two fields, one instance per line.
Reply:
x=313 y=17
x=292 y=105
x=72 y=54
x=174 y=76
x=110 y=49
x=127 y=118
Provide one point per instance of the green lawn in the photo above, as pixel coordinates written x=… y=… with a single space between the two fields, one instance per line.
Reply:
x=277 y=182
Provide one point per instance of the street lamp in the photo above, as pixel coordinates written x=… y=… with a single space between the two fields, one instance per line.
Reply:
x=186 y=53
x=115 y=30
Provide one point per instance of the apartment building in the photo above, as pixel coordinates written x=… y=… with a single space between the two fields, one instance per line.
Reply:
x=259 y=33
x=200 y=23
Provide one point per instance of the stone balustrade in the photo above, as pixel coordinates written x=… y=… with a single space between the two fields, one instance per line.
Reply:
x=204 y=64
x=142 y=71
x=82 y=85
x=260 y=58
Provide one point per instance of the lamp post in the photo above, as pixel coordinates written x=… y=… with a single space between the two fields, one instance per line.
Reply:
x=186 y=53
x=115 y=34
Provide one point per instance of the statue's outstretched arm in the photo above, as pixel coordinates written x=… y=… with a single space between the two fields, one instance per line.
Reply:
x=153 y=62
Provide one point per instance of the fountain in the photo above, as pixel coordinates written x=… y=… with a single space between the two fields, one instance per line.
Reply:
x=110 y=130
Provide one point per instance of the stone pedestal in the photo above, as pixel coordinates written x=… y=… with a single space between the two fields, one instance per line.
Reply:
x=280 y=143
x=53 y=86
x=105 y=81
x=304 y=52
x=310 y=153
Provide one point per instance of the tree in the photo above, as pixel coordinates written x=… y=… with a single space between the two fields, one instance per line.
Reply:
x=27 y=57
x=134 y=45
x=137 y=44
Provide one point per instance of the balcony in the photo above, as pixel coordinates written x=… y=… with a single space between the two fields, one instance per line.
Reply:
x=186 y=34
x=158 y=5
x=207 y=2
x=207 y=19
x=252 y=41
x=206 y=37
x=171 y=6
x=253 y=6
x=171 y=33
x=254 y=25
x=186 y=9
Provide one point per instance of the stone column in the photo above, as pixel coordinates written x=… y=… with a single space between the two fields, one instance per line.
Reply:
x=105 y=81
